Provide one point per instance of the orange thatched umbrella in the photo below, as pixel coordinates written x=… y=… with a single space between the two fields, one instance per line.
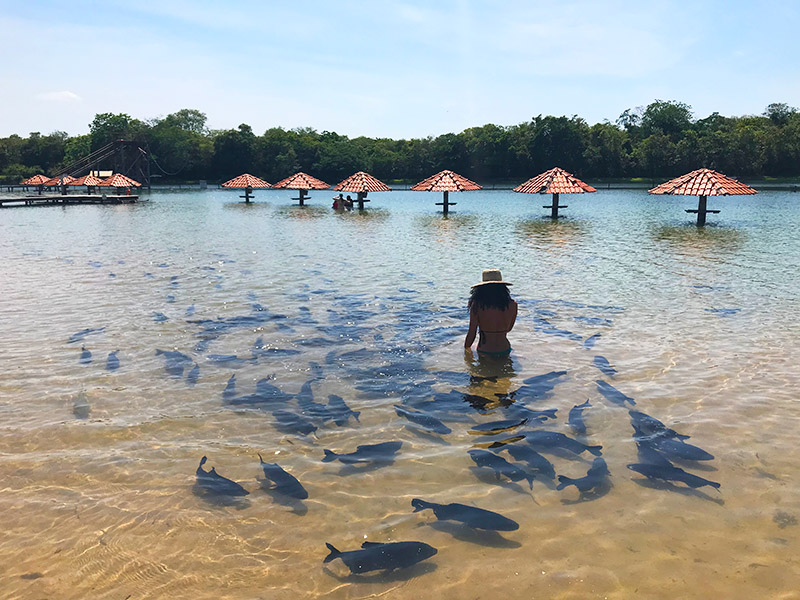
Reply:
x=361 y=183
x=703 y=183
x=35 y=180
x=89 y=181
x=60 y=180
x=303 y=183
x=118 y=180
x=555 y=181
x=446 y=182
x=248 y=182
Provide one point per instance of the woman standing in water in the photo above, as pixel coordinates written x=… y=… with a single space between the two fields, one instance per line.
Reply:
x=492 y=313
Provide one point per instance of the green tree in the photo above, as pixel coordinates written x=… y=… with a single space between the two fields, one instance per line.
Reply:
x=667 y=117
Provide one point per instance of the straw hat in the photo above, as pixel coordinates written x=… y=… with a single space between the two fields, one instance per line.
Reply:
x=491 y=276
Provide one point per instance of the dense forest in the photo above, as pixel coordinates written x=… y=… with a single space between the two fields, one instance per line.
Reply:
x=658 y=141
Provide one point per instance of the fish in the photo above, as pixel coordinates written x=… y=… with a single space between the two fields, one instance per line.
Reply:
x=538 y=463
x=383 y=452
x=601 y=362
x=589 y=342
x=594 y=478
x=214 y=483
x=230 y=389
x=575 y=420
x=671 y=473
x=86 y=356
x=477 y=518
x=552 y=439
x=382 y=557
x=175 y=362
x=423 y=419
x=112 y=362
x=340 y=411
x=285 y=483
x=77 y=337
x=290 y=422
x=500 y=466
x=613 y=394
x=500 y=443
x=534 y=416
x=160 y=317
x=191 y=378
x=495 y=427
x=190 y=310
x=678 y=449
x=645 y=425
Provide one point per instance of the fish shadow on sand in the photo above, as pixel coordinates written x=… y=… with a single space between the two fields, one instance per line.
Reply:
x=465 y=533
x=422 y=568
x=487 y=476
x=685 y=491
x=368 y=467
x=297 y=506
x=220 y=500
x=428 y=437
x=594 y=494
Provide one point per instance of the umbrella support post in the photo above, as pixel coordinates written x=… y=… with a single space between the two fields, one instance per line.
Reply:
x=554 y=207
x=248 y=193
x=361 y=198
x=446 y=204
x=301 y=197
x=701 y=211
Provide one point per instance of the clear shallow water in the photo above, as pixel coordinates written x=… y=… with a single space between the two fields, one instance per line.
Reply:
x=700 y=324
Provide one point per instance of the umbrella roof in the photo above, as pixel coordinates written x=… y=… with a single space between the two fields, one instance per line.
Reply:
x=446 y=181
x=89 y=180
x=703 y=182
x=301 y=181
x=35 y=180
x=57 y=180
x=246 y=180
x=361 y=182
x=119 y=180
x=554 y=181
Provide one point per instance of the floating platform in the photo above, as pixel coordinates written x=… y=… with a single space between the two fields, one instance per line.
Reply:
x=61 y=200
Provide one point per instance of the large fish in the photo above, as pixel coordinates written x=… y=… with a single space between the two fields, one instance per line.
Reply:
x=230 y=389
x=477 y=518
x=214 y=483
x=538 y=463
x=86 y=356
x=423 y=419
x=669 y=473
x=77 y=337
x=594 y=478
x=589 y=342
x=193 y=375
x=314 y=410
x=613 y=394
x=285 y=483
x=377 y=453
x=645 y=425
x=540 y=440
x=340 y=411
x=231 y=360
x=676 y=449
x=382 y=557
x=576 y=418
x=112 y=362
x=500 y=466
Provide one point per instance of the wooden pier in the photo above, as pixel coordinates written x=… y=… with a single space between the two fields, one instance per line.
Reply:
x=62 y=200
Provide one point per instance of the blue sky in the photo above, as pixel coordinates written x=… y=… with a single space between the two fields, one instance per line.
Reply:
x=389 y=69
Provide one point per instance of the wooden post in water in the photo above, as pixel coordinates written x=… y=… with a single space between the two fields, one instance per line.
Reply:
x=248 y=192
x=701 y=211
x=302 y=197
x=554 y=208
x=361 y=198
x=446 y=204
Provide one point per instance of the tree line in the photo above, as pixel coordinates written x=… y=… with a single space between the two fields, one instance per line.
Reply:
x=655 y=142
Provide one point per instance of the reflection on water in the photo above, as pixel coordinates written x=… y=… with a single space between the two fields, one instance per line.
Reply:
x=693 y=240
x=544 y=231
x=302 y=330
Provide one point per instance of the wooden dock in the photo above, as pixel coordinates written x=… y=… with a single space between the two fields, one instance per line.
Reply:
x=63 y=200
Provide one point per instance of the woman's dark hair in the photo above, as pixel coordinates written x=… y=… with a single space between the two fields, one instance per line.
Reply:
x=490 y=295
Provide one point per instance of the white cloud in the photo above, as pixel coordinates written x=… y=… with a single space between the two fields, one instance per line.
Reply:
x=62 y=96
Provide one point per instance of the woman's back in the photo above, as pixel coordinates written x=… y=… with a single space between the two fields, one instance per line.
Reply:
x=492 y=313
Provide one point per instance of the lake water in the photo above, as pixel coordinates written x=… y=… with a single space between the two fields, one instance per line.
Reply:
x=97 y=466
